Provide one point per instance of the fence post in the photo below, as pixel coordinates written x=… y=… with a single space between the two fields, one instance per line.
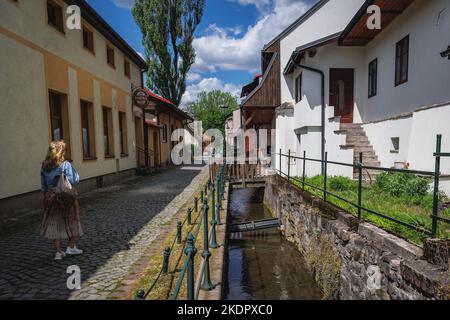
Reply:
x=179 y=232
x=140 y=295
x=196 y=204
x=206 y=189
x=165 y=267
x=360 y=184
x=202 y=197
x=304 y=170
x=213 y=222
x=206 y=281
x=289 y=166
x=189 y=216
x=325 y=165
x=437 y=173
x=281 y=172
x=218 y=206
x=192 y=250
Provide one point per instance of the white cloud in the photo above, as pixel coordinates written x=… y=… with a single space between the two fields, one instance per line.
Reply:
x=127 y=4
x=221 y=49
x=208 y=84
x=192 y=76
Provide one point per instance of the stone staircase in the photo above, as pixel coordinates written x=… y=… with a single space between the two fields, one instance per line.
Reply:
x=357 y=140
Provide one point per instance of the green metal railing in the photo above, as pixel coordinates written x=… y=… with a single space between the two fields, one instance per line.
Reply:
x=435 y=218
x=211 y=196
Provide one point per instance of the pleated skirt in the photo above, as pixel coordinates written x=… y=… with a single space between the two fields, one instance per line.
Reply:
x=60 y=222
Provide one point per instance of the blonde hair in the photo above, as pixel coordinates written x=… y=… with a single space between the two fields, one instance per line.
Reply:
x=55 y=155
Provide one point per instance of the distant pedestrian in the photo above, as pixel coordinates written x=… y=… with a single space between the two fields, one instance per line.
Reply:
x=61 y=208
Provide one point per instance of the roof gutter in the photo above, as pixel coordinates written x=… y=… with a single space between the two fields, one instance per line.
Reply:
x=322 y=75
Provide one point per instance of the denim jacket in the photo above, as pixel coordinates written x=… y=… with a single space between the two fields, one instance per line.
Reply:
x=50 y=178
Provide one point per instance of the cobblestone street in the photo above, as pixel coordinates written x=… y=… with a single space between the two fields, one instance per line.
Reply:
x=119 y=223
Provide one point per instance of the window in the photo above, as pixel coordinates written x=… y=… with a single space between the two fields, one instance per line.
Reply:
x=55 y=15
x=126 y=67
x=172 y=129
x=88 y=39
x=402 y=61
x=110 y=56
x=108 y=141
x=373 y=78
x=298 y=87
x=59 y=120
x=56 y=116
x=164 y=133
x=395 y=144
x=87 y=130
x=123 y=134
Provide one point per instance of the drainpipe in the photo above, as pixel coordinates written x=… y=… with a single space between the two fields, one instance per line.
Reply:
x=241 y=115
x=320 y=72
x=145 y=126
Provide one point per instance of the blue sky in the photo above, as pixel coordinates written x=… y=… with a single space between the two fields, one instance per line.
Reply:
x=228 y=41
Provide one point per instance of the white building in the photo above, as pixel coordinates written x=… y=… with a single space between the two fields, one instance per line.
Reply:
x=386 y=93
x=268 y=101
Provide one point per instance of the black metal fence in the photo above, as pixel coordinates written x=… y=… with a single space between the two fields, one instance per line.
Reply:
x=211 y=200
x=360 y=167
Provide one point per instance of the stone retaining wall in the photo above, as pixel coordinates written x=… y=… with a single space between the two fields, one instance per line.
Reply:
x=356 y=260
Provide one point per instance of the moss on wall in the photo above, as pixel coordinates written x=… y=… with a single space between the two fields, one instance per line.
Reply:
x=325 y=265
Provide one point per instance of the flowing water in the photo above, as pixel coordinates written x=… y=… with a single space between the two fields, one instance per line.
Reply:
x=261 y=264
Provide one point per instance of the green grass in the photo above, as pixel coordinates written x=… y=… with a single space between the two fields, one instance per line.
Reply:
x=405 y=198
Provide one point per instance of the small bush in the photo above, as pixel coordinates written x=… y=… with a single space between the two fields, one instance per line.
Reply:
x=417 y=186
x=340 y=183
x=402 y=184
x=316 y=181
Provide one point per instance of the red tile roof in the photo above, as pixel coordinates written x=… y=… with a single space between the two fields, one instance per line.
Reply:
x=157 y=97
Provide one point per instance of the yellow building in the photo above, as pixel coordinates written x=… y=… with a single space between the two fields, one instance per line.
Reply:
x=57 y=83
x=164 y=118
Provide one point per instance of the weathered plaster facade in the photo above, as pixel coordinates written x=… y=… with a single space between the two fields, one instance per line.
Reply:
x=35 y=59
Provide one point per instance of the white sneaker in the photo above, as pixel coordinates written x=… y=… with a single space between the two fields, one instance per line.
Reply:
x=73 y=251
x=59 y=255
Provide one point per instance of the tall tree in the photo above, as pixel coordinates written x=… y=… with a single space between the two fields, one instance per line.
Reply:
x=168 y=28
x=208 y=109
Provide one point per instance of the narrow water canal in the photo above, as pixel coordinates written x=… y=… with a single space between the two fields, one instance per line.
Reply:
x=261 y=264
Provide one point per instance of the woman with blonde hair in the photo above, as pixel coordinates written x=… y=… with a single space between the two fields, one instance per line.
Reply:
x=61 y=211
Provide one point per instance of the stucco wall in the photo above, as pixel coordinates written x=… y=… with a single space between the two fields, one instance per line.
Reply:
x=330 y=19
x=36 y=58
x=417 y=134
x=308 y=110
x=380 y=135
x=28 y=20
x=428 y=25
x=284 y=139
x=24 y=123
x=166 y=148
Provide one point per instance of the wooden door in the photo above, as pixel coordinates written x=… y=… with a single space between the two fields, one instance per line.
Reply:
x=139 y=141
x=155 y=149
x=341 y=93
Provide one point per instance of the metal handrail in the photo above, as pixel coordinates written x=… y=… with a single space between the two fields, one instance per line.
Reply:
x=360 y=166
x=189 y=248
x=356 y=166
x=181 y=277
